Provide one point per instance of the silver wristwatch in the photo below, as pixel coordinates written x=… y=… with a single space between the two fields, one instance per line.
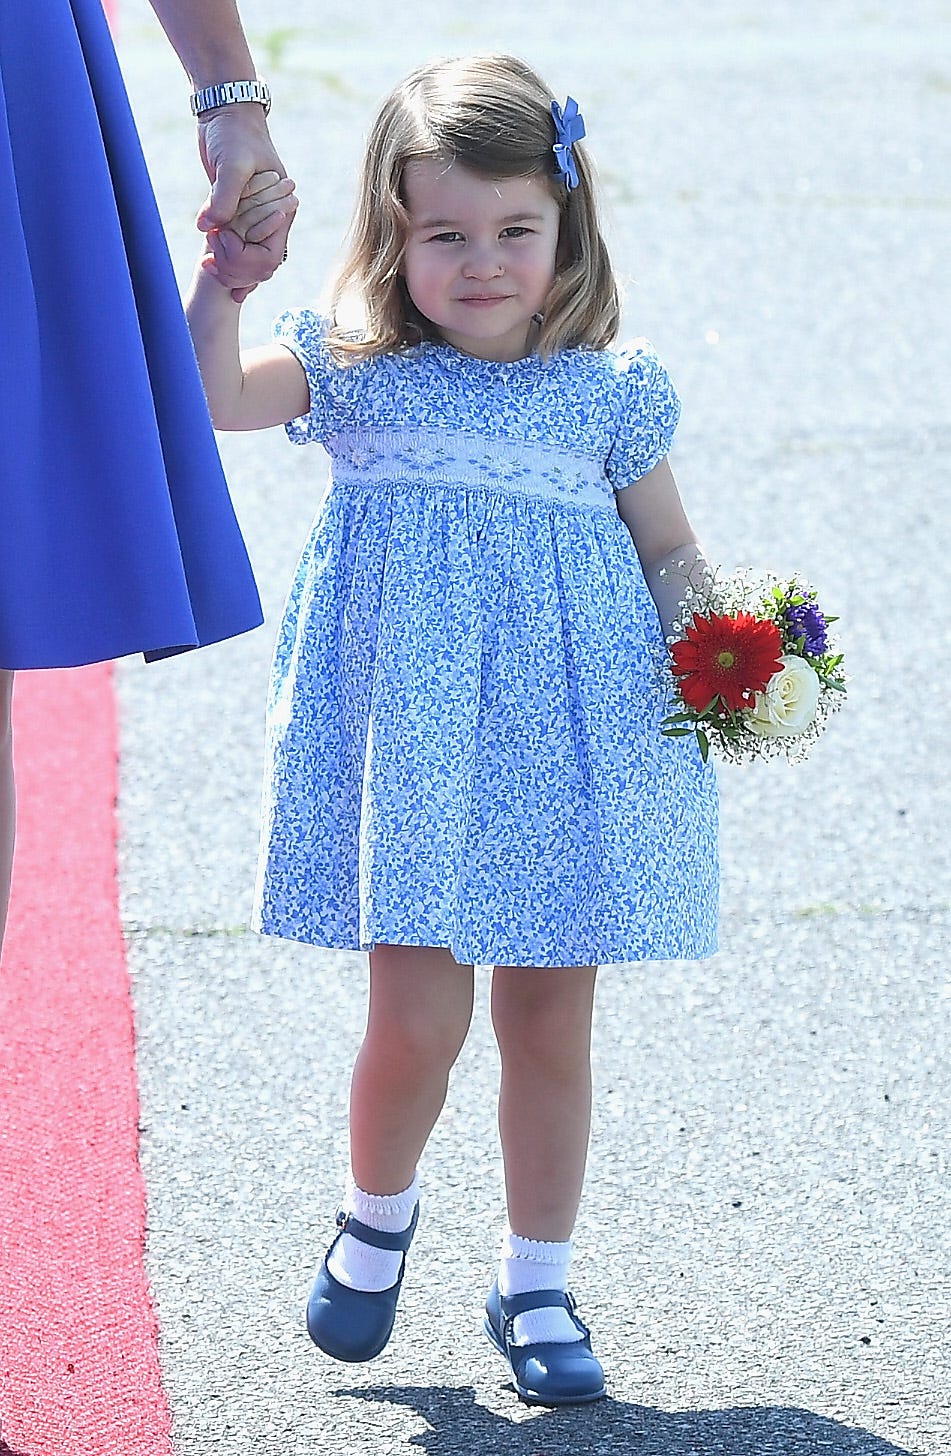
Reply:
x=227 y=93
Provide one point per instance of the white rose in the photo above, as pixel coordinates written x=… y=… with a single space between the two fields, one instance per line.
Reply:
x=789 y=702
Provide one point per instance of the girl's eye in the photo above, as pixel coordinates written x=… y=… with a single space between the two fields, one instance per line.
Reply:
x=445 y=237
x=516 y=232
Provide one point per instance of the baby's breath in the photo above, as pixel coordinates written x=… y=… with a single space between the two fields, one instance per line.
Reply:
x=792 y=604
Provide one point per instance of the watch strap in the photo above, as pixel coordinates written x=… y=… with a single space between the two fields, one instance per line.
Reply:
x=228 y=93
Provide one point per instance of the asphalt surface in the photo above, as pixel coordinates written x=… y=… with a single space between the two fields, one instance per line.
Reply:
x=763 y=1250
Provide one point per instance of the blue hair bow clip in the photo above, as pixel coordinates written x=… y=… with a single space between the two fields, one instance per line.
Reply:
x=569 y=128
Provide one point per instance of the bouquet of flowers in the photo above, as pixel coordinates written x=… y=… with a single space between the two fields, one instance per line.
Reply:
x=754 y=665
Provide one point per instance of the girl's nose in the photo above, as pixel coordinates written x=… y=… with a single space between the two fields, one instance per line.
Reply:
x=483 y=261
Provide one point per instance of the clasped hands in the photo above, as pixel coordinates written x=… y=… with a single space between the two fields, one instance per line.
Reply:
x=252 y=203
x=252 y=245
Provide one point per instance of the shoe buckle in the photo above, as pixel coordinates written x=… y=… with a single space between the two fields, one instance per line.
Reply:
x=342 y=1219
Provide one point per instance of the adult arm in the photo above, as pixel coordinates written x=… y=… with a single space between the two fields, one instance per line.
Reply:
x=209 y=40
x=233 y=141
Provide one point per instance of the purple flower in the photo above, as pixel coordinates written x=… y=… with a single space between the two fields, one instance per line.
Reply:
x=808 y=622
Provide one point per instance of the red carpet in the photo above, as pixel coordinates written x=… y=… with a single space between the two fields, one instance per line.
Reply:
x=79 y=1373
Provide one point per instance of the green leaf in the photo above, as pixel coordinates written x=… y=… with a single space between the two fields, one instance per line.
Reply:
x=703 y=743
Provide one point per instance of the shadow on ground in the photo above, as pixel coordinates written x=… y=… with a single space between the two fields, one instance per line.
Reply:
x=457 y=1424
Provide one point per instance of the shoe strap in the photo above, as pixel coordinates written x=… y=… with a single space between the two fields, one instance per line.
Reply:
x=378 y=1238
x=516 y=1304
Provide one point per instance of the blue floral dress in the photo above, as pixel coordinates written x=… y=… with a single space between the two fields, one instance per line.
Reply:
x=463 y=745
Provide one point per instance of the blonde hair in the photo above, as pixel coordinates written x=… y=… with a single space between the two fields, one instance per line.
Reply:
x=492 y=114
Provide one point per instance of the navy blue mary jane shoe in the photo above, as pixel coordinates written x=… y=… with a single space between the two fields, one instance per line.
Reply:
x=355 y=1324
x=544 y=1373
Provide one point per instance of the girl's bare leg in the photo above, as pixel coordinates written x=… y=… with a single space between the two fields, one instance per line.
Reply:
x=419 y=1014
x=542 y=1021
x=7 y=795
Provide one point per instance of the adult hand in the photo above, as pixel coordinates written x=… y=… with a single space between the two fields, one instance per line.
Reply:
x=234 y=144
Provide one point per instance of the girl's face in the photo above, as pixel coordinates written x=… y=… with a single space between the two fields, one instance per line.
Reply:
x=480 y=255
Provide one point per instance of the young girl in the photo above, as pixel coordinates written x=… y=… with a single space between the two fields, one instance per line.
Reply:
x=464 y=762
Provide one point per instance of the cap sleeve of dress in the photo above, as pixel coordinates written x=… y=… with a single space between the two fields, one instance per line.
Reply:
x=649 y=411
x=304 y=333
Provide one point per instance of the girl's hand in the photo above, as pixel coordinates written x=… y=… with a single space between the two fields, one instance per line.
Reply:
x=265 y=203
x=240 y=266
x=253 y=246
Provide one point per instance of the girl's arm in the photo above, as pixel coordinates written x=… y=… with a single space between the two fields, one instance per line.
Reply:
x=670 y=554
x=248 y=390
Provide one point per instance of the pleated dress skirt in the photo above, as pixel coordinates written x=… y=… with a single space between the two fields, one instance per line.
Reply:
x=117 y=533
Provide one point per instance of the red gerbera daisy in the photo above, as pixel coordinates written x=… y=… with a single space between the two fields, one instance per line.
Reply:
x=729 y=658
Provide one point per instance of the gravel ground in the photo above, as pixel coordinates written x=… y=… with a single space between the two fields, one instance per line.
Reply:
x=763 y=1247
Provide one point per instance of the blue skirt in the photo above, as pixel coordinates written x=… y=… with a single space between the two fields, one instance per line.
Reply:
x=117 y=533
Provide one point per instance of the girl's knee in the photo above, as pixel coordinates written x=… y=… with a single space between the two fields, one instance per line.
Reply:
x=549 y=1031
x=419 y=1035
x=420 y=1005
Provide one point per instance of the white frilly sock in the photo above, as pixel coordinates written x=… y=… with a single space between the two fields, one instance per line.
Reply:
x=359 y=1265
x=529 y=1264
